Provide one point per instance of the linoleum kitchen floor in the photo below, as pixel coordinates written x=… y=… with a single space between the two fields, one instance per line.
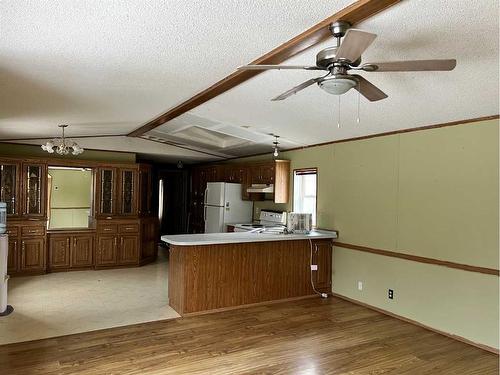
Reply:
x=63 y=303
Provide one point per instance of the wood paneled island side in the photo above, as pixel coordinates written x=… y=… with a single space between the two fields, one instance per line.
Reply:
x=210 y=272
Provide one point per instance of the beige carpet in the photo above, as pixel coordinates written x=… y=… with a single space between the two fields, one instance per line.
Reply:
x=59 y=304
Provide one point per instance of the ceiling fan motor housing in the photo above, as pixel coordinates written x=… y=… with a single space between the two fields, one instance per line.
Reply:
x=327 y=57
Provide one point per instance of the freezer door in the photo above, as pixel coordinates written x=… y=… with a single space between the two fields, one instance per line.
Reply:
x=214 y=219
x=214 y=195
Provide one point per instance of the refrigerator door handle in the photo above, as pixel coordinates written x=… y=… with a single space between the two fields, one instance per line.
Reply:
x=205 y=196
x=204 y=213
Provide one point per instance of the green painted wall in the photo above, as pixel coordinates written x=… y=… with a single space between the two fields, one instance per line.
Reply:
x=18 y=150
x=432 y=193
x=70 y=198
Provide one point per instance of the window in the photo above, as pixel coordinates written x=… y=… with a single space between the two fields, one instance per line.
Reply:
x=304 y=191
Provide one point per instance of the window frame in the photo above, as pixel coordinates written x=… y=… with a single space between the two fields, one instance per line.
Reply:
x=316 y=172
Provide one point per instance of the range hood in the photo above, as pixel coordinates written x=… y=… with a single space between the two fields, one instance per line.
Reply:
x=261 y=188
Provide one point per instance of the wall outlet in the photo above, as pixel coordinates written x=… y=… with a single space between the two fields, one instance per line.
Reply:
x=360 y=285
x=390 y=294
x=314 y=267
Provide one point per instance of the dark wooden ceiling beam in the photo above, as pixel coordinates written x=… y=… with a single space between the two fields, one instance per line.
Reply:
x=354 y=13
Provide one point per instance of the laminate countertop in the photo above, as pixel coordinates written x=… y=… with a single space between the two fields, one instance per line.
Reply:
x=242 y=237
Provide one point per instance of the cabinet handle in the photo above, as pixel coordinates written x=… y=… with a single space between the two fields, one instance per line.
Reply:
x=115 y=242
x=22 y=246
x=74 y=242
x=67 y=242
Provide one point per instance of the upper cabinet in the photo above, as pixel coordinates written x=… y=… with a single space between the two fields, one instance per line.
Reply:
x=106 y=191
x=117 y=191
x=127 y=192
x=35 y=175
x=23 y=188
x=9 y=186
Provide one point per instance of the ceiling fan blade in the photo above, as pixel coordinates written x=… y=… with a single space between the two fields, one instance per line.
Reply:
x=368 y=89
x=354 y=44
x=413 y=65
x=278 y=67
x=295 y=89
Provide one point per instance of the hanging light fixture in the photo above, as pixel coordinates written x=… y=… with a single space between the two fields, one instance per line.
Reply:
x=62 y=146
x=275 y=146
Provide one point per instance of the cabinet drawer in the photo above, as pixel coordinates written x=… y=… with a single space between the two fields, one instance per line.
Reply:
x=129 y=228
x=12 y=231
x=33 y=230
x=107 y=228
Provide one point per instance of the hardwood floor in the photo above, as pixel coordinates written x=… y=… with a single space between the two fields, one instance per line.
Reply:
x=311 y=336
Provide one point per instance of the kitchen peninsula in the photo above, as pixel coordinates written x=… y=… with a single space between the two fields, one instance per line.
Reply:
x=214 y=271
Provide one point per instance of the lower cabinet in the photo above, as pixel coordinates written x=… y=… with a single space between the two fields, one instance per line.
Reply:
x=118 y=244
x=32 y=254
x=27 y=251
x=106 y=250
x=322 y=257
x=82 y=251
x=71 y=251
x=128 y=252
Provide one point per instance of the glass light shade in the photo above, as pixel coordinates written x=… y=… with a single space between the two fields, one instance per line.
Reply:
x=337 y=86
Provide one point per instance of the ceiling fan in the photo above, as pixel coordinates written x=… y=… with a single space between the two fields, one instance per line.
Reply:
x=346 y=56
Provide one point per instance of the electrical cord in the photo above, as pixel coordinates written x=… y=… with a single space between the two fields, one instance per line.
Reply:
x=322 y=295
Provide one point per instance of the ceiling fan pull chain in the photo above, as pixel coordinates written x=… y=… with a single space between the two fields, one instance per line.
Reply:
x=338 y=114
x=359 y=94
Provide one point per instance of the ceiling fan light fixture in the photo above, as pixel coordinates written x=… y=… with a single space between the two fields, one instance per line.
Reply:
x=337 y=86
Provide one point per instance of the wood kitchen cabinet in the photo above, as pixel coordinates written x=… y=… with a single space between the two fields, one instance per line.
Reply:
x=128 y=251
x=275 y=172
x=82 y=251
x=34 y=190
x=120 y=193
x=322 y=257
x=119 y=244
x=106 y=250
x=106 y=191
x=23 y=187
x=33 y=255
x=117 y=192
x=10 y=190
x=70 y=251
x=127 y=192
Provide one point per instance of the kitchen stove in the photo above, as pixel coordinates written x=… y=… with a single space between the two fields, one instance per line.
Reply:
x=270 y=222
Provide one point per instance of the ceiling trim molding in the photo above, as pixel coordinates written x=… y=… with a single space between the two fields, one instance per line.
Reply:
x=394 y=132
x=69 y=137
x=354 y=13
x=173 y=144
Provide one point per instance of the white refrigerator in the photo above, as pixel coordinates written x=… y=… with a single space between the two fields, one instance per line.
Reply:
x=223 y=205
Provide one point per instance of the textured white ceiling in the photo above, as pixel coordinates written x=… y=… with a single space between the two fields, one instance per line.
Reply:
x=107 y=67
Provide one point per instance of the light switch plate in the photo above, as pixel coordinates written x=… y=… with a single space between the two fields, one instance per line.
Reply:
x=314 y=267
x=360 y=285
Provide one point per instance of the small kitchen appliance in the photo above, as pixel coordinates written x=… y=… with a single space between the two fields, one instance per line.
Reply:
x=299 y=222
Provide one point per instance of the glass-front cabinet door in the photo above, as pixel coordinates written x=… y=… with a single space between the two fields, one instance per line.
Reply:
x=106 y=190
x=127 y=191
x=9 y=186
x=34 y=189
